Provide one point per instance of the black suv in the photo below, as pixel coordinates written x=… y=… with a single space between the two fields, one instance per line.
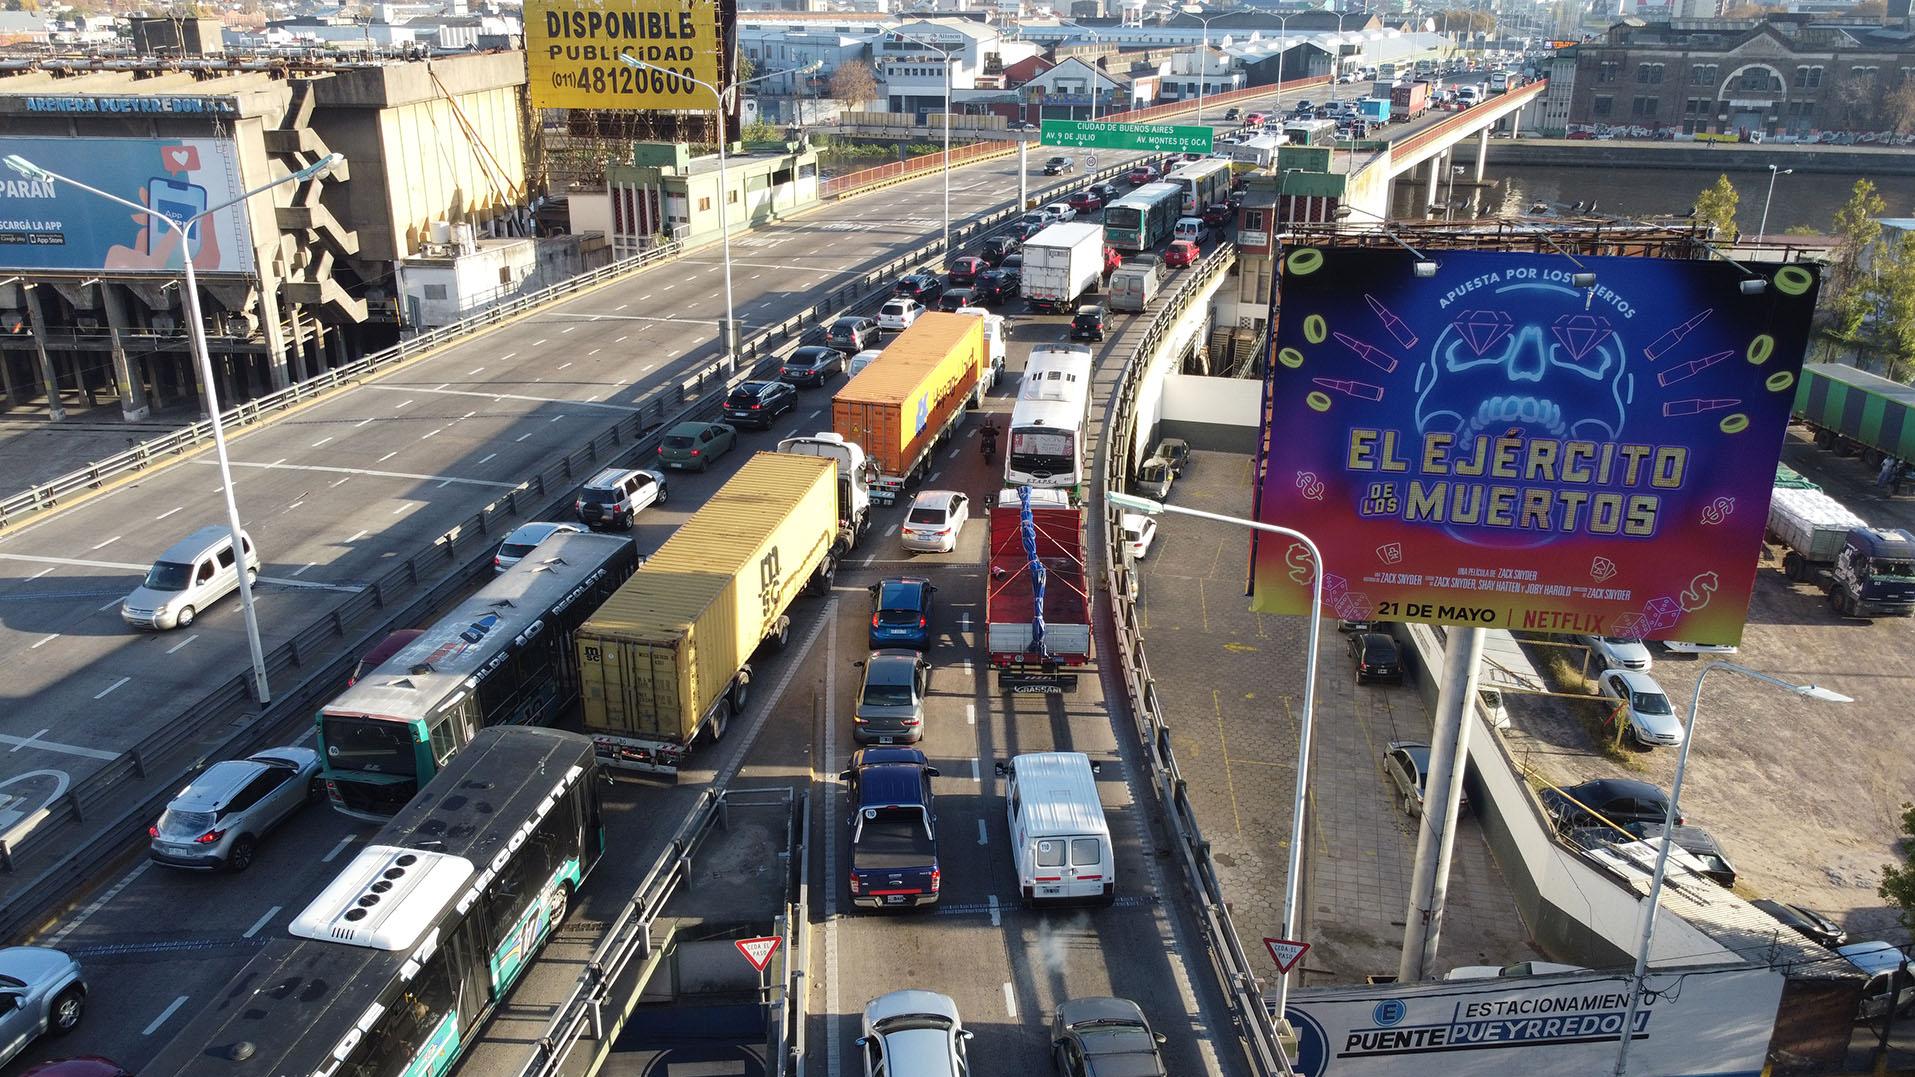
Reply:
x=923 y=287
x=1088 y=324
x=852 y=333
x=996 y=247
x=996 y=286
x=811 y=365
x=758 y=403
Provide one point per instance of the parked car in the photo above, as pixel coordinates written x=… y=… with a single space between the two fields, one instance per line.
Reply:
x=1059 y=166
x=1154 y=479
x=997 y=286
x=520 y=542
x=1808 y=923
x=1088 y=200
x=852 y=333
x=1060 y=212
x=1406 y=763
x=957 y=299
x=1621 y=801
x=890 y=706
x=1218 y=214
x=1141 y=175
x=1181 y=253
x=1610 y=652
x=1698 y=843
x=923 y=287
x=811 y=365
x=1676 y=646
x=1139 y=532
x=1643 y=705
x=1104 y=1037
x=913 y=1033
x=42 y=992
x=936 y=519
x=694 y=445
x=1088 y=323
x=996 y=247
x=1891 y=979
x=217 y=820
x=897 y=314
x=1377 y=656
x=614 y=497
x=966 y=268
x=901 y=612
x=1175 y=452
x=760 y=403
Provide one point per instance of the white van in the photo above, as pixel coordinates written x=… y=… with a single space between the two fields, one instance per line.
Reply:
x=192 y=574
x=1059 y=840
x=1134 y=285
x=1190 y=228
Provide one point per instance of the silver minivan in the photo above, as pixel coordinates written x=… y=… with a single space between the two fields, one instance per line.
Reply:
x=192 y=574
x=1135 y=284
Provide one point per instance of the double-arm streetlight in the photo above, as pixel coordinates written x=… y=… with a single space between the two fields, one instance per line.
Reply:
x=1763 y=231
x=1283 y=49
x=1203 y=54
x=196 y=334
x=945 y=55
x=1294 y=876
x=1095 y=73
x=728 y=341
x=1807 y=691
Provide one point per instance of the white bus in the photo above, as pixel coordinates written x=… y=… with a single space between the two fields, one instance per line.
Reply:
x=1203 y=183
x=1048 y=421
x=1498 y=81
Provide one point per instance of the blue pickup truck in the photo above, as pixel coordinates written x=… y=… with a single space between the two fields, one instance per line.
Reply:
x=894 y=827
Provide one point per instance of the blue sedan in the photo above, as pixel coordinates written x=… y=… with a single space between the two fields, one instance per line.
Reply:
x=901 y=612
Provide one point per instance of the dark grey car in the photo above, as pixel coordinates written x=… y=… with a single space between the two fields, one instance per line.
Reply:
x=1104 y=1037
x=891 y=701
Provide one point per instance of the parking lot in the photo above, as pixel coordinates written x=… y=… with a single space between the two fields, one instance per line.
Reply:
x=1805 y=797
x=1232 y=682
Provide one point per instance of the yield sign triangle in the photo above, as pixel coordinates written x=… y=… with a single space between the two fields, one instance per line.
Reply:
x=758 y=951
x=1285 y=952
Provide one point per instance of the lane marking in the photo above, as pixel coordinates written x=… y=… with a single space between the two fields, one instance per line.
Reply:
x=99 y=903
x=261 y=922
x=361 y=423
x=182 y=643
x=402 y=508
x=996 y=919
x=433 y=433
x=982 y=837
x=410 y=476
x=521 y=437
x=47 y=640
x=295 y=505
x=892 y=530
x=443 y=384
x=337 y=849
x=55 y=746
x=301 y=570
x=977 y=776
x=387 y=457
x=520 y=396
x=111 y=604
x=341 y=481
x=357 y=535
x=164 y=1014
x=538 y=342
x=108 y=542
x=567 y=329
x=620 y=340
x=321 y=441
x=970 y=714
x=405 y=403
x=594 y=351
x=1010 y=1000
x=102 y=695
x=834 y=1031
x=487 y=456
x=504 y=357
x=40 y=573
x=168 y=512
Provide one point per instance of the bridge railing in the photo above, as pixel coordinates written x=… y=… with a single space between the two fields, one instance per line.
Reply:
x=1414 y=144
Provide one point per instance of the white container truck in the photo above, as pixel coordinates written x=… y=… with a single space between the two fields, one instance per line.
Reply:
x=1062 y=263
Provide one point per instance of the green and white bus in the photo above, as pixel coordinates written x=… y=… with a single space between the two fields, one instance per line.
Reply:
x=502 y=657
x=394 y=967
x=1144 y=217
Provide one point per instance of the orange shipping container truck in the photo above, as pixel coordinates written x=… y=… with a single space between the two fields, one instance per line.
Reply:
x=913 y=396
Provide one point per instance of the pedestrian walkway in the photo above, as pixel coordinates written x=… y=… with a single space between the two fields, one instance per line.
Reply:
x=1232 y=684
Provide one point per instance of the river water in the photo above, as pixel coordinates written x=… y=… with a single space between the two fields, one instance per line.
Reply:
x=1805 y=199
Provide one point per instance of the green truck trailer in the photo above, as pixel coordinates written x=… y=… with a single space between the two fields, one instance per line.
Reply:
x=1857 y=413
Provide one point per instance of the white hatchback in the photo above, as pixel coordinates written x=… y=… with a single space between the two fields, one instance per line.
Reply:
x=914 y=1033
x=936 y=519
x=897 y=314
x=1139 y=532
x=1059 y=212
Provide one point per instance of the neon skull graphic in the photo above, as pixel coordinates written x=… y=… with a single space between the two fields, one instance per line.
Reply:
x=1551 y=369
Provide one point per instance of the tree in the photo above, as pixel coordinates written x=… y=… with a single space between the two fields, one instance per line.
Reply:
x=1898 y=880
x=1898 y=108
x=1892 y=297
x=1716 y=206
x=1856 y=96
x=743 y=70
x=1857 y=227
x=853 y=84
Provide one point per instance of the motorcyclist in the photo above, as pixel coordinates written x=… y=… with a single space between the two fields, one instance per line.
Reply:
x=988 y=441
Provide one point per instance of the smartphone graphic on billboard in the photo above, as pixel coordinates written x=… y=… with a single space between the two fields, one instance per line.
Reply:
x=179 y=201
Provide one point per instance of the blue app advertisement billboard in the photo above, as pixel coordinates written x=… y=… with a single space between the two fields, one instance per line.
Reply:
x=57 y=226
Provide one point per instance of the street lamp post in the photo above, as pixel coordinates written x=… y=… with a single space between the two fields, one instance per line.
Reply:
x=1094 y=75
x=728 y=341
x=947 y=128
x=1808 y=691
x=1305 y=723
x=1203 y=55
x=1763 y=232
x=196 y=334
x=1283 y=49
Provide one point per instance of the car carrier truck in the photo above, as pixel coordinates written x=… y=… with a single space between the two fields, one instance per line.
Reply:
x=912 y=398
x=668 y=657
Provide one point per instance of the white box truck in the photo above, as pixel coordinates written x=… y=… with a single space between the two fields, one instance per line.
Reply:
x=1062 y=263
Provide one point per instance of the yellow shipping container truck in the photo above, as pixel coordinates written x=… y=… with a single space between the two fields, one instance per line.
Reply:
x=668 y=656
x=902 y=406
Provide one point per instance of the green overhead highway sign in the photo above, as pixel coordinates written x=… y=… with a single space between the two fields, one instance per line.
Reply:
x=1149 y=137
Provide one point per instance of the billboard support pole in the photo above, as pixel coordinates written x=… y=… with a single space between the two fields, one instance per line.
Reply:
x=55 y=410
x=1443 y=789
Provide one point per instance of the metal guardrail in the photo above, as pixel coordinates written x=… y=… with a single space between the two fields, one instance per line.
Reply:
x=324 y=650
x=1227 y=958
x=1446 y=126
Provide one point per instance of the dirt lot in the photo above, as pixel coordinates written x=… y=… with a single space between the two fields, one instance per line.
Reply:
x=1806 y=797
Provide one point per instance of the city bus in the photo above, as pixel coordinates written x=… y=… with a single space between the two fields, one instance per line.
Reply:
x=1143 y=218
x=1498 y=81
x=1048 y=421
x=398 y=962
x=502 y=657
x=1203 y=183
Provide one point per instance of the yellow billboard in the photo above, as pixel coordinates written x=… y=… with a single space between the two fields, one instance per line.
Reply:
x=573 y=47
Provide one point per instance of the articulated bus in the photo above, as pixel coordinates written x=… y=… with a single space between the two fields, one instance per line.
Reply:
x=1203 y=183
x=394 y=967
x=1143 y=218
x=1048 y=421
x=502 y=657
